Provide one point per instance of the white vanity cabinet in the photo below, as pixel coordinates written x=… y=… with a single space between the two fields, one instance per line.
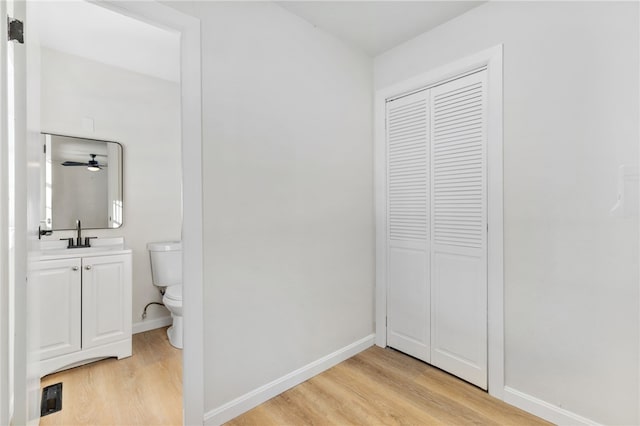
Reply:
x=106 y=300
x=84 y=305
x=58 y=289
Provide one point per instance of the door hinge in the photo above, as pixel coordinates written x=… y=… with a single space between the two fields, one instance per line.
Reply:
x=15 y=30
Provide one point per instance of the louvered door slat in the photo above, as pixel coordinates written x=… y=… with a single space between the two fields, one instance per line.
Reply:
x=448 y=154
x=407 y=135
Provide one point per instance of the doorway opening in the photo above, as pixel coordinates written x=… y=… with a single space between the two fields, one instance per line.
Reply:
x=135 y=93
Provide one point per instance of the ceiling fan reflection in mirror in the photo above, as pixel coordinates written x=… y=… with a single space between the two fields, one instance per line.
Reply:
x=92 y=165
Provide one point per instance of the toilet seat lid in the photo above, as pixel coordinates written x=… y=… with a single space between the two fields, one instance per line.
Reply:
x=173 y=292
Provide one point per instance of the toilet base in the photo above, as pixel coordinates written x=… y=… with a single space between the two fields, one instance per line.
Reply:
x=174 y=333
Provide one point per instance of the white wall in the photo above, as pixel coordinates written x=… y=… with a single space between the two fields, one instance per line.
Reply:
x=143 y=114
x=570 y=119
x=288 y=244
x=84 y=201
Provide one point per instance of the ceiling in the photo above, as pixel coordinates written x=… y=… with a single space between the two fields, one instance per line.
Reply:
x=93 y=32
x=377 y=26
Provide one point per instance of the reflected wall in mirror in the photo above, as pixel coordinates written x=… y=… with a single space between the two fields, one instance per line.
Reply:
x=81 y=179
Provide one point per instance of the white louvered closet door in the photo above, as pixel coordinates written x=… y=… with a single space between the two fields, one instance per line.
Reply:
x=437 y=226
x=408 y=298
x=459 y=228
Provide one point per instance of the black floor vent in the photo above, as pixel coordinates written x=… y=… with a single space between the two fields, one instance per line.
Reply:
x=51 y=399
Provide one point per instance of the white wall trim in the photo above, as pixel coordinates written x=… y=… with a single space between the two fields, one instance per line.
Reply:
x=543 y=409
x=152 y=324
x=188 y=27
x=492 y=59
x=257 y=396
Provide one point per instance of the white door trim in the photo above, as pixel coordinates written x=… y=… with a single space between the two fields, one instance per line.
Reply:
x=5 y=393
x=21 y=363
x=492 y=60
x=6 y=349
x=192 y=227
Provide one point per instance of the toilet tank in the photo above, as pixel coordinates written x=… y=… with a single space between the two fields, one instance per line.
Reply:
x=166 y=263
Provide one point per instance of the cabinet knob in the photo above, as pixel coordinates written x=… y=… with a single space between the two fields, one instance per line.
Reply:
x=87 y=267
x=75 y=268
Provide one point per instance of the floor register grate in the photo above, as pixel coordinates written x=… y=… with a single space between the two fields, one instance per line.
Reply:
x=51 y=399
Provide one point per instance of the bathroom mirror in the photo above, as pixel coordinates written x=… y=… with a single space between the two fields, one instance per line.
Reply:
x=81 y=179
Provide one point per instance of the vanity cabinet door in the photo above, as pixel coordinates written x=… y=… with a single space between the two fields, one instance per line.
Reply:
x=57 y=290
x=106 y=299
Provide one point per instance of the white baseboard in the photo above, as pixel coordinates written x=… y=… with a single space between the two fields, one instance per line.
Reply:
x=152 y=324
x=256 y=397
x=543 y=409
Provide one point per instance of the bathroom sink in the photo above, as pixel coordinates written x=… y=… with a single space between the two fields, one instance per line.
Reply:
x=58 y=249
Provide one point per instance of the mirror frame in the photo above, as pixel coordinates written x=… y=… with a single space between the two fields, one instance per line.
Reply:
x=49 y=227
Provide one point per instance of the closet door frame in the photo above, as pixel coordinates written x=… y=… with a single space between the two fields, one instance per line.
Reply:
x=491 y=59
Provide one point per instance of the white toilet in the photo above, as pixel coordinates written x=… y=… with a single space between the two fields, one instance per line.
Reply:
x=166 y=273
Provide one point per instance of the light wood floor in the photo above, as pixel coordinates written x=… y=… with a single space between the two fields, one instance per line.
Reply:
x=144 y=389
x=384 y=387
x=376 y=387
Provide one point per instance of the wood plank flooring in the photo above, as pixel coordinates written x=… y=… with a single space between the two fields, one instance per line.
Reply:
x=375 y=387
x=144 y=389
x=384 y=387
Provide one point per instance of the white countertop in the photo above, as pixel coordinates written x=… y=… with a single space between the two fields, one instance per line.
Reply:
x=57 y=249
